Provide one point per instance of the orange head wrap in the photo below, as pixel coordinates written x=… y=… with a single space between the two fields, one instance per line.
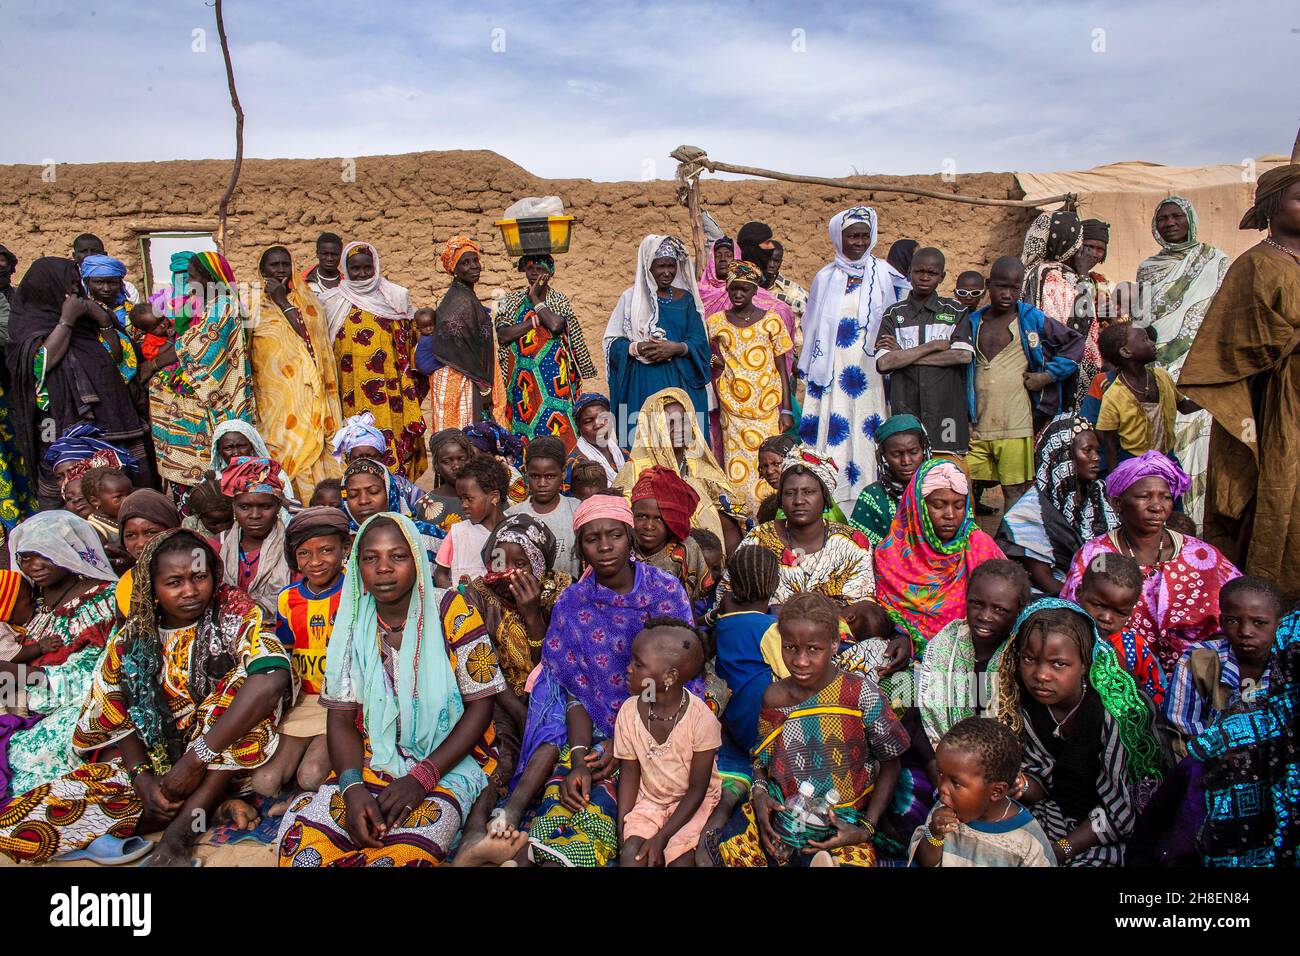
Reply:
x=456 y=247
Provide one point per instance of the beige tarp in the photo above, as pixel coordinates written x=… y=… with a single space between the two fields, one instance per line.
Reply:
x=1126 y=194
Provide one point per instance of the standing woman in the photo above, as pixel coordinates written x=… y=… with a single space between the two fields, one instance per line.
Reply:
x=544 y=357
x=1177 y=285
x=845 y=398
x=370 y=325
x=62 y=558
x=64 y=372
x=1048 y=255
x=753 y=379
x=464 y=376
x=410 y=681
x=215 y=383
x=655 y=338
x=295 y=379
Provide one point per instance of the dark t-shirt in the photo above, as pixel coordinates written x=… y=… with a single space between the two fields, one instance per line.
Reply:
x=935 y=394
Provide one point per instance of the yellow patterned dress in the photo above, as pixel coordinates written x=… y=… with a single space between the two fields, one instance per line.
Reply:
x=97 y=798
x=749 y=393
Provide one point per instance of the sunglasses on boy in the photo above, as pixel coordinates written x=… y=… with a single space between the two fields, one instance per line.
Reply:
x=968 y=293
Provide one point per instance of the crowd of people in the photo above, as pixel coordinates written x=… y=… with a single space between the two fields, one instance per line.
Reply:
x=871 y=574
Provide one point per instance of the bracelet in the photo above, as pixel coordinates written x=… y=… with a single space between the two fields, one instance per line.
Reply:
x=870 y=828
x=144 y=766
x=348 y=777
x=760 y=784
x=930 y=837
x=344 y=790
x=202 y=750
x=1066 y=846
x=572 y=704
x=426 y=774
x=577 y=747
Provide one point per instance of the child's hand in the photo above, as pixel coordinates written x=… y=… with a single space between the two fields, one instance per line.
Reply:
x=898 y=654
x=601 y=761
x=943 y=821
x=845 y=835
x=652 y=852
x=526 y=592
x=49 y=644
x=575 y=792
x=764 y=806
x=1036 y=381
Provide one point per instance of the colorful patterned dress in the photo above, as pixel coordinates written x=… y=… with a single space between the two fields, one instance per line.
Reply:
x=16 y=498
x=44 y=752
x=543 y=371
x=1180 y=597
x=377 y=374
x=97 y=798
x=842 y=569
x=749 y=393
x=837 y=740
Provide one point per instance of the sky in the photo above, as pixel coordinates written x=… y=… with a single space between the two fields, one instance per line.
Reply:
x=605 y=89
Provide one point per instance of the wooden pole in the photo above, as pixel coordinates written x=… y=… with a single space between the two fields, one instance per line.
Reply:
x=1295 y=150
x=694 y=156
x=239 y=133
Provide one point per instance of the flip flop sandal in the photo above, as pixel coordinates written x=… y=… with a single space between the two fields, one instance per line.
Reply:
x=109 y=850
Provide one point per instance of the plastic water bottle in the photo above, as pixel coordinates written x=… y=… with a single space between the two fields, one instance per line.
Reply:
x=826 y=806
x=800 y=809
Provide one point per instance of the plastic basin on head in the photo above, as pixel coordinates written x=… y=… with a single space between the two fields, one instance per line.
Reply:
x=545 y=235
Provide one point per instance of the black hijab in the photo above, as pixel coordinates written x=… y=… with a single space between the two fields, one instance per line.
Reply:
x=462 y=337
x=900 y=255
x=86 y=386
x=752 y=235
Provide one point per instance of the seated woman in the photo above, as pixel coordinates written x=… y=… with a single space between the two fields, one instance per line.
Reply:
x=1182 y=575
x=923 y=564
x=360 y=438
x=816 y=553
x=184 y=703
x=1233 y=670
x=822 y=733
x=596 y=440
x=410 y=678
x=368 y=489
x=236 y=438
x=252 y=552
x=901 y=446
x=662 y=505
x=144 y=515
x=668 y=434
x=516 y=599
x=581 y=686
x=1065 y=507
x=966 y=670
x=1090 y=750
x=62 y=558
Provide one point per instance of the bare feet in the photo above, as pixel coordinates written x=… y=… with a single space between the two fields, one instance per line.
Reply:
x=237 y=813
x=169 y=854
x=280 y=807
x=823 y=858
x=494 y=849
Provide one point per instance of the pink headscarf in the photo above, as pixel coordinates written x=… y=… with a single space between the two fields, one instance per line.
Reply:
x=602 y=506
x=945 y=475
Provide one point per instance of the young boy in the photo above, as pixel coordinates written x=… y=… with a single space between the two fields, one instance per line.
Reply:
x=924 y=345
x=544 y=465
x=1011 y=390
x=1228 y=669
x=105 y=488
x=328 y=494
x=1139 y=407
x=970 y=290
x=975 y=822
x=316 y=544
x=483 y=485
x=1109 y=591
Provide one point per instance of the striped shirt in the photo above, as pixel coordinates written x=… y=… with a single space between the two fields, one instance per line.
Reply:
x=1189 y=710
x=303 y=623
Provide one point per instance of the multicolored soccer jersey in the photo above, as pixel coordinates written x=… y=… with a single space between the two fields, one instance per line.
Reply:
x=303 y=623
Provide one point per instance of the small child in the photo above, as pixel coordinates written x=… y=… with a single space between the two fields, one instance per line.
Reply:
x=17 y=608
x=328 y=494
x=1110 y=590
x=155 y=331
x=544 y=465
x=711 y=548
x=975 y=822
x=425 y=321
x=970 y=290
x=74 y=499
x=1138 y=410
x=105 y=488
x=586 y=479
x=210 y=513
x=316 y=544
x=483 y=485
x=668 y=782
x=1232 y=668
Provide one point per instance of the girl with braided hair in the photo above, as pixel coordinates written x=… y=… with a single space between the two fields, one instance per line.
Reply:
x=1090 y=752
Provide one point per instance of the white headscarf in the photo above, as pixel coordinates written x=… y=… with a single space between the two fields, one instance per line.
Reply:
x=375 y=295
x=65 y=540
x=636 y=316
x=260 y=450
x=821 y=320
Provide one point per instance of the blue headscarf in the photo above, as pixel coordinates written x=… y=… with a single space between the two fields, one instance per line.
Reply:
x=104 y=267
x=81 y=442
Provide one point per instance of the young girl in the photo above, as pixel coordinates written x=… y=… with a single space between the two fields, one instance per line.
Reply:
x=662 y=505
x=823 y=727
x=328 y=494
x=482 y=485
x=544 y=466
x=316 y=542
x=587 y=478
x=252 y=552
x=752 y=379
x=667 y=741
x=596 y=441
